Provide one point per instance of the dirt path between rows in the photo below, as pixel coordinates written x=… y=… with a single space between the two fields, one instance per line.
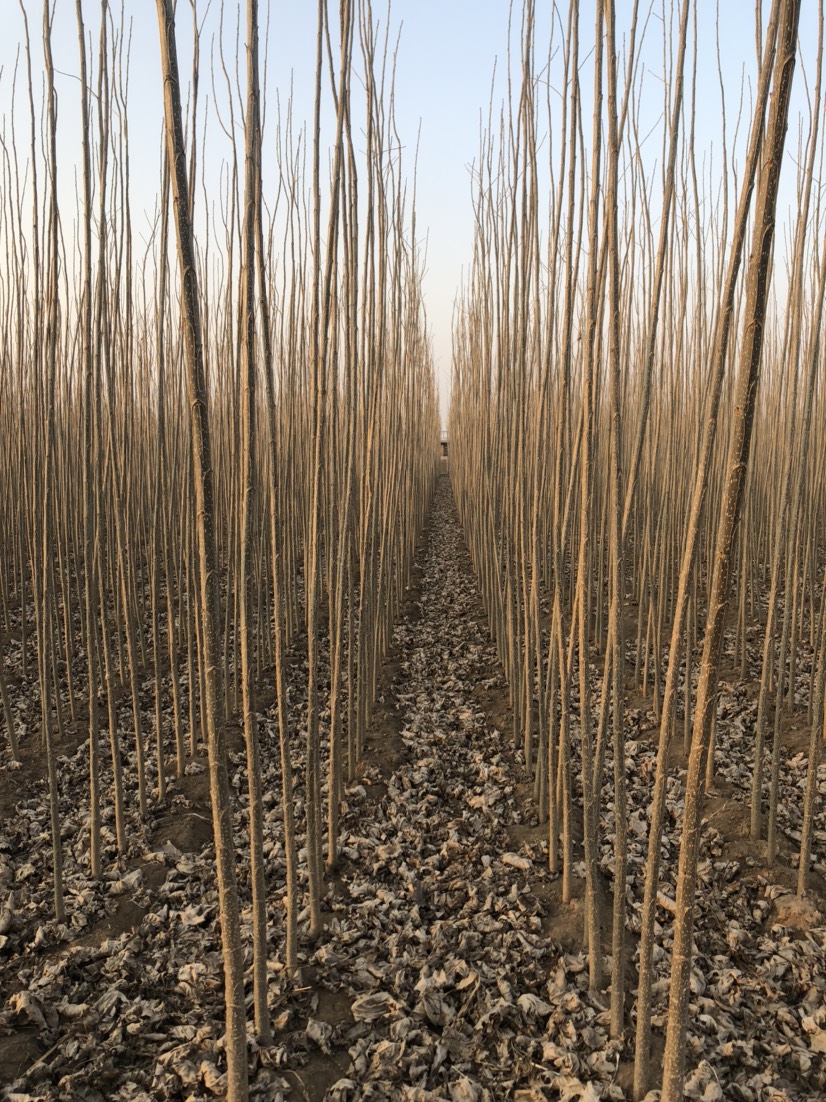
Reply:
x=444 y=886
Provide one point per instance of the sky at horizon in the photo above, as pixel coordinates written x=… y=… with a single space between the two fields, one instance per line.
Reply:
x=448 y=52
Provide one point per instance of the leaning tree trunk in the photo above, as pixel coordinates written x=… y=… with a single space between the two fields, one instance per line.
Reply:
x=642 y=1047
x=236 y=1037
x=757 y=288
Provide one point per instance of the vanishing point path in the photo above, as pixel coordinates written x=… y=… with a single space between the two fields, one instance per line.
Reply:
x=448 y=985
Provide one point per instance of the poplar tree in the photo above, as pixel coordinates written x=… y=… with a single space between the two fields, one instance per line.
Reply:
x=757 y=288
x=236 y=1036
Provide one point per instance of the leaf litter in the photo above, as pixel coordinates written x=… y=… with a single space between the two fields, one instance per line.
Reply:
x=437 y=920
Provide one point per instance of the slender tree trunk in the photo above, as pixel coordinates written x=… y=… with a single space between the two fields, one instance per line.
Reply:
x=248 y=508
x=642 y=1051
x=757 y=288
x=236 y=1037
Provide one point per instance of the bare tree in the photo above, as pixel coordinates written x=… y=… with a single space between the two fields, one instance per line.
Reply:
x=757 y=287
x=236 y=1038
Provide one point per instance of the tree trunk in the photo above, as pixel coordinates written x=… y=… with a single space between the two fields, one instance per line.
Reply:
x=236 y=1036
x=757 y=288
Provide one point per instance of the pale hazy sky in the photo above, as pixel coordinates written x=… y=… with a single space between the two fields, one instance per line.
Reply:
x=447 y=53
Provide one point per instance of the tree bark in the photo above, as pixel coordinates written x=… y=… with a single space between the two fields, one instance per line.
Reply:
x=757 y=288
x=236 y=1038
